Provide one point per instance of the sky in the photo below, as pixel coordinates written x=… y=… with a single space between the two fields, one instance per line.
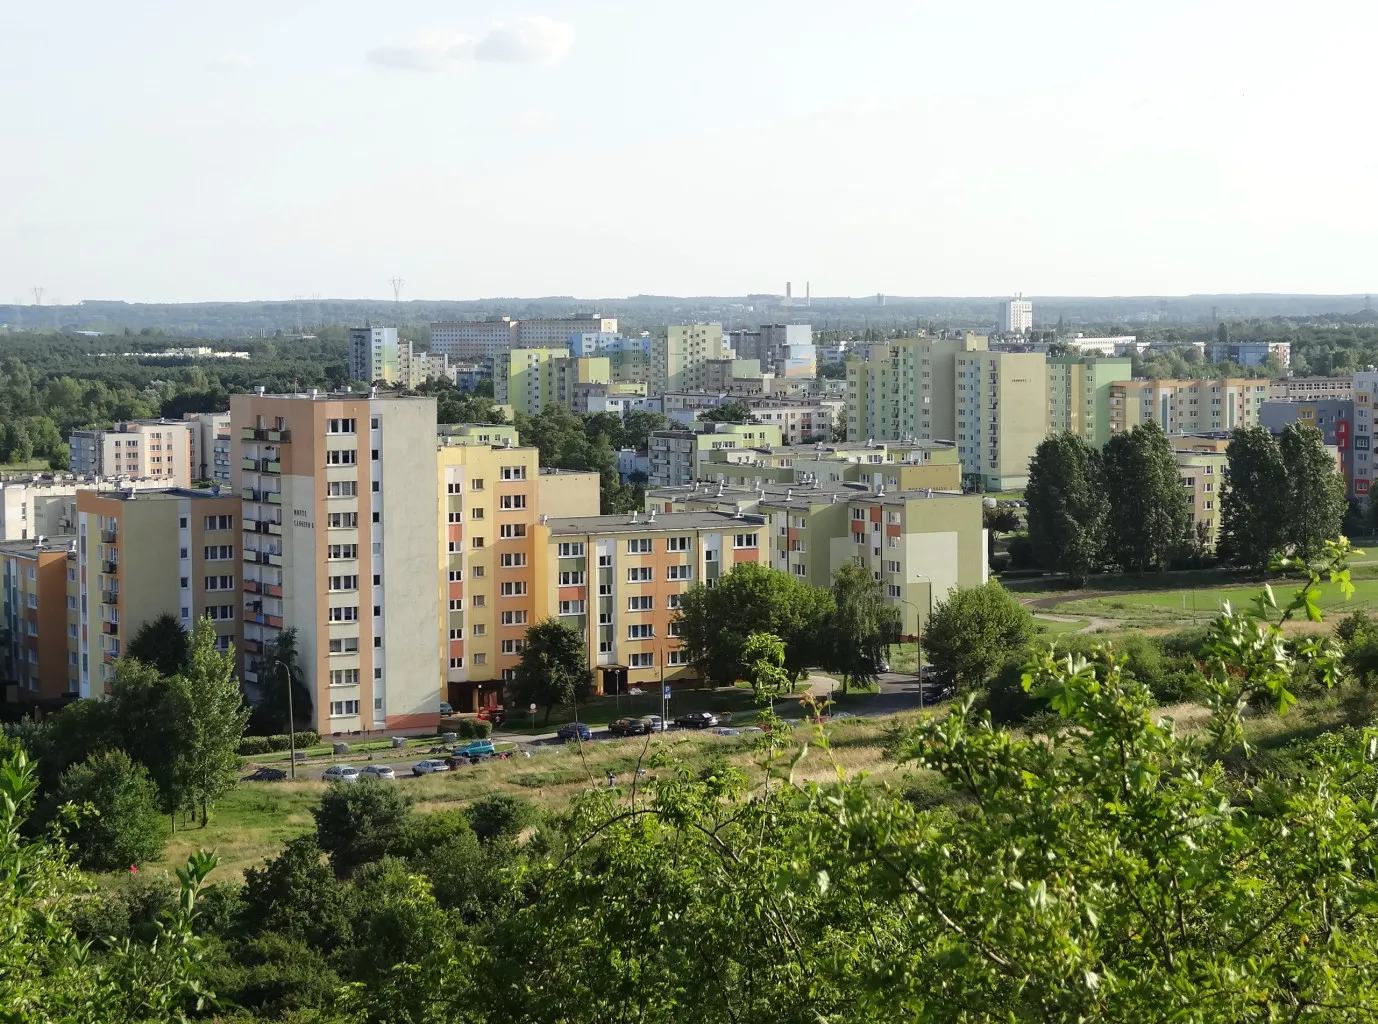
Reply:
x=162 y=151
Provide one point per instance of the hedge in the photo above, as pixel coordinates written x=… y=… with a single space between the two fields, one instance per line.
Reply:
x=474 y=729
x=271 y=744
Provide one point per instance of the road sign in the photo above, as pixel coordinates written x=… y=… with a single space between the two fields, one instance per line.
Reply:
x=532 y=709
x=667 y=693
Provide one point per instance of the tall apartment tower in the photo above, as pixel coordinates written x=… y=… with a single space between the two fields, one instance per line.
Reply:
x=1079 y=394
x=1016 y=316
x=373 y=354
x=1365 y=402
x=906 y=388
x=678 y=360
x=340 y=524
x=1002 y=415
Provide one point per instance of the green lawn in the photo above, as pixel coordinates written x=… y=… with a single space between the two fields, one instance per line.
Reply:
x=1052 y=627
x=1173 y=605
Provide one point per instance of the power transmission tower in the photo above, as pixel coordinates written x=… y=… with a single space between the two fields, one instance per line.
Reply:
x=38 y=295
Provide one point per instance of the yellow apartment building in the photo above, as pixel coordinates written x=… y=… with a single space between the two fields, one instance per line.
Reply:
x=1201 y=463
x=38 y=665
x=619 y=580
x=142 y=554
x=1002 y=415
x=1079 y=395
x=156 y=449
x=1187 y=406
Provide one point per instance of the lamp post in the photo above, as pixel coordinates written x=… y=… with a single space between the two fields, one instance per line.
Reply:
x=291 y=720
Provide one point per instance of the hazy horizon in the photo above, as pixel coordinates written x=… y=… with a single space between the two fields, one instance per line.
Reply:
x=571 y=148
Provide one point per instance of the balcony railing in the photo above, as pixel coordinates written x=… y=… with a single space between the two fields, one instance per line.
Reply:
x=275 y=621
x=261 y=434
x=110 y=597
x=108 y=537
x=110 y=568
x=112 y=628
x=263 y=526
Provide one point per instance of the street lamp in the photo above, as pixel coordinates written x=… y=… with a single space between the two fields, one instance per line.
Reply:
x=918 y=653
x=291 y=719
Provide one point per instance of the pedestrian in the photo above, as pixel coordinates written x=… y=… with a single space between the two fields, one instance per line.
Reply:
x=612 y=780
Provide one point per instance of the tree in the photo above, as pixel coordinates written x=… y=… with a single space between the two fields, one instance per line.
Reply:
x=145 y=717
x=212 y=722
x=119 y=823
x=764 y=657
x=297 y=895
x=974 y=631
x=1222 y=333
x=357 y=824
x=736 y=411
x=1315 y=491
x=1069 y=512
x=278 y=664
x=714 y=623
x=162 y=644
x=861 y=627
x=1254 y=512
x=554 y=667
x=1149 y=511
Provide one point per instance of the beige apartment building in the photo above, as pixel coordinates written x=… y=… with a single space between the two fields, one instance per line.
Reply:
x=340 y=525
x=1002 y=415
x=156 y=449
x=906 y=387
x=1201 y=463
x=1079 y=395
x=1187 y=406
x=142 y=554
x=680 y=357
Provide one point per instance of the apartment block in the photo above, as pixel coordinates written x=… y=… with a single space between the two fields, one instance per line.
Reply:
x=1187 y=406
x=1310 y=389
x=676 y=455
x=1016 y=316
x=881 y=465
x=211 y=449
x=620 y=579
x=38 y=507
x=373 y=354
x=473 y=340
x=477 y=433
x=1201 y=462
x=524 y=378
x=1079 y=395
x=678 y=357
x=555 y=332
x=1251 y=353
x=1333 y=417
x=156 y=449
x=414 y=368
x=800 y=421
x=629 y=358
x=34 y=645
x=142 y=554
x=1002 y=415
x=906 y=387
x=1365 y=402
x=340 y=527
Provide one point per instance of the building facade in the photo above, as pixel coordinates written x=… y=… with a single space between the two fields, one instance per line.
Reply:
x=1187 y=406
x=38 y=660
x=1310 y=389
x=374 y=355
x=1251 y=353
x=906 y=387
x=678 y=357
x=210 y=446
x=1079 y=395
x=1333 y=417
x=1002 y=415
x=154 y=449
x=1016 y=316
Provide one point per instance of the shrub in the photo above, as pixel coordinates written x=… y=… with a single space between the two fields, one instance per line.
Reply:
x=1021 y=552
x=251 y=745
x=500 y=816
x=474 y=729
x=127 y=827
x=358 y=824
x=297 y=894
x=1006 y=699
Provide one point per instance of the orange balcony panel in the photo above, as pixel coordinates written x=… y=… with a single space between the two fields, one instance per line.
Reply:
x=573 y=593
x=892 y=529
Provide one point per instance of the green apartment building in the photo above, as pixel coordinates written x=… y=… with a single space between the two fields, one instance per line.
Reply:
x=1079 y=394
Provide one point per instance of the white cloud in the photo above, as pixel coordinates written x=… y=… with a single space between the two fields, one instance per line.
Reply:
x=537 y=40
x=228 y=62
x=435 y=50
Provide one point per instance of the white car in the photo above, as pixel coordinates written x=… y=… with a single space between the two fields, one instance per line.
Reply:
x=656 y=723
x=429 y=767
x=341 y=773
x=724 y=730
x=377 y=771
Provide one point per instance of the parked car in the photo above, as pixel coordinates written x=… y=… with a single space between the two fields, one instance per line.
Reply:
x=497 y=715
x=630 y=727
x=446 y=708
x=429 y=766
x=654 y=723
x=723 y=730
x=377 y=771
x=573 y=729
x=475 y=748
x=341 y=773
x=266 y=775
x=884 y=666
x=697 y=720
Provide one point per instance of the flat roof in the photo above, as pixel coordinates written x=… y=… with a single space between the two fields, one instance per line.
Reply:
x=668 y=522
x=167 y=493
x=59 y=544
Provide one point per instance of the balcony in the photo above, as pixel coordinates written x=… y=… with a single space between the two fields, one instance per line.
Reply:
x=272 y=466
x=252 y=647
x=261 y=434
x=109 y=597
x=110 y=568
x=275 y=621
x=263 y=558
x=263 y=526
x=108 y=537
x=112 y=628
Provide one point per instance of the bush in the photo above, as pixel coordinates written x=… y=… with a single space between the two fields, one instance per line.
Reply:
x=297 y=894
x=999 y=563
x=474 y=729
x=500 y=817
x=274 y=974
x=127 y=827
x=358 y=824
x=251 y=745
x=1021 y=552
x=1006 y=699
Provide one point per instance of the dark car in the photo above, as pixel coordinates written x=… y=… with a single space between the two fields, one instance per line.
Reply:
x=630 y=727
x=497 y=715
x=697 y=720
x=573 y=729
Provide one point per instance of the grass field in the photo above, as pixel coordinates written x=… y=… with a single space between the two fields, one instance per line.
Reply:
x=1165 y=607
x=1055 y=627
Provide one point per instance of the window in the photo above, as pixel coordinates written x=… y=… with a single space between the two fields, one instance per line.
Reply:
x=476 y=571
x=640 y=631
x=219 y=522
x=478 y=629
x=571 y=607
x=342 y=489
x=676 y=628
x=676 y=543
x=341 y=457
x=377 y=579
x=643 y=603
x=456 y=663
x=859 y=514
x=454 y=517
x=678 y=657
x=892 y=566
x=891 y=590
x=374 y=454
x=512 y=501
x=679 y=572
x=604 y=561
x=672 y=602
x=342 y=582
x=509 y=530
x=343 y=708
x=514 y=561
x=573 y=550
x=572 y=579
x=477 y=542
x=744 y=540
x=219 y=582
x=514 y=618
x=639 y=546
x=513 y=646
x=514 y=589
x=453 y=488
x=342 y=520
x=642 y=660
x=344 y=677
x=343 y=614
x=890 y=542
x=340 y=552
x=604 y=619
x=604 y=646
x=476 y=513
x=346 y=426
x=219 y=552
x=605 y=590
x=220 y=612
x=457 y=633
x=514 y=472
x=480 y=659
x=344 y=645
x=639 y=575
x=477 y=484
